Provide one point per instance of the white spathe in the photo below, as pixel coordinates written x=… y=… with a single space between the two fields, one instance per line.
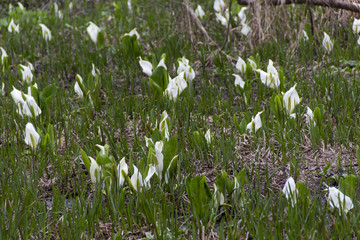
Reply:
x=241 y=65
x=220 y=18
x=218 y=197
x=94 y=70
x=290 y=190
x=356 y=26
x=93 y=31
x=146 y=66
x=219 y=5
x=136 y=179
x=327 y=43
x=208 y=136
x=306 y=37
x=32 y=138
x=122 y=169
x=3 y=55
x=132 y=33
x=25 y=103
x=27 y=75
x=238 y=81
x=46 y=33
x=13 y=27
x=95 y=171
x=255 y=123
x=185 y=67
x=339 y=200
x=309 y=115
x=245 y=29
x=291 y=99
x=160 y=158
x=175 y=87
x=199 y=12
x=252 y=64
x=77 y=88
x=242 y=15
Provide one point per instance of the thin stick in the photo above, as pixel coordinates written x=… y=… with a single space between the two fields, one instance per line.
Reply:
x=355 y=7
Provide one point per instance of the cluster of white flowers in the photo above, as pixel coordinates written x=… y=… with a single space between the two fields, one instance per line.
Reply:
x=177 y=85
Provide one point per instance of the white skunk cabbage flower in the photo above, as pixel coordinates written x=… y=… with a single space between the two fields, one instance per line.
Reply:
x=339 y=200
x=77 y=88
x=163 y=126
x=146 y=66
x=242 y=15
x=45 y=32
x=218 y=197
x=175 y=87
x=13 y=27
x=93 y=31
x=95 y=171
x=306 y=37
x=356 y=26
x=222 y=19
x=238 y=81
x=29 y=88
x=219 y=5
x=327 y=43
x=290 y=190
x=245 y=29
x=27 y=75
x=199 y=12
x=184 y=67
x=255 y=123
x=122 y=169
x=137 y=180
x=94 y=71
x=58 y=13
x=309 y=115
x=159 y=158
x=2 y=91
x=4 y=56
x=132 y=33
x=208 y=136
x=25 y=103
x=290 y=100
x=22 y=8
x=252 y=64
x=271 y=77
x=241 y=65
x=32 y=138
x=151 y=172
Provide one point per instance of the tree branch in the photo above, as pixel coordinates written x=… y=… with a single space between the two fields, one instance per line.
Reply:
x=355 y=7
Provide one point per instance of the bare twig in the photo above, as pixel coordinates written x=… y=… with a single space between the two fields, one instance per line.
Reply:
x=197 y=21
x=208 y=39
x=355 y=7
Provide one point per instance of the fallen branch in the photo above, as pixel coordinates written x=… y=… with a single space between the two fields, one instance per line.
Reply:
x=355 y=7
x=208 y=39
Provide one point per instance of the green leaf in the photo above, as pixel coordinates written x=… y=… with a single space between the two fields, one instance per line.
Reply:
x=158 y=81
x=347 y=185
x=169 y=150
x=236 y=122
x=48 y=94
x=243 y=125
x=241 y=178
x=100 y=39
x=85 y=159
